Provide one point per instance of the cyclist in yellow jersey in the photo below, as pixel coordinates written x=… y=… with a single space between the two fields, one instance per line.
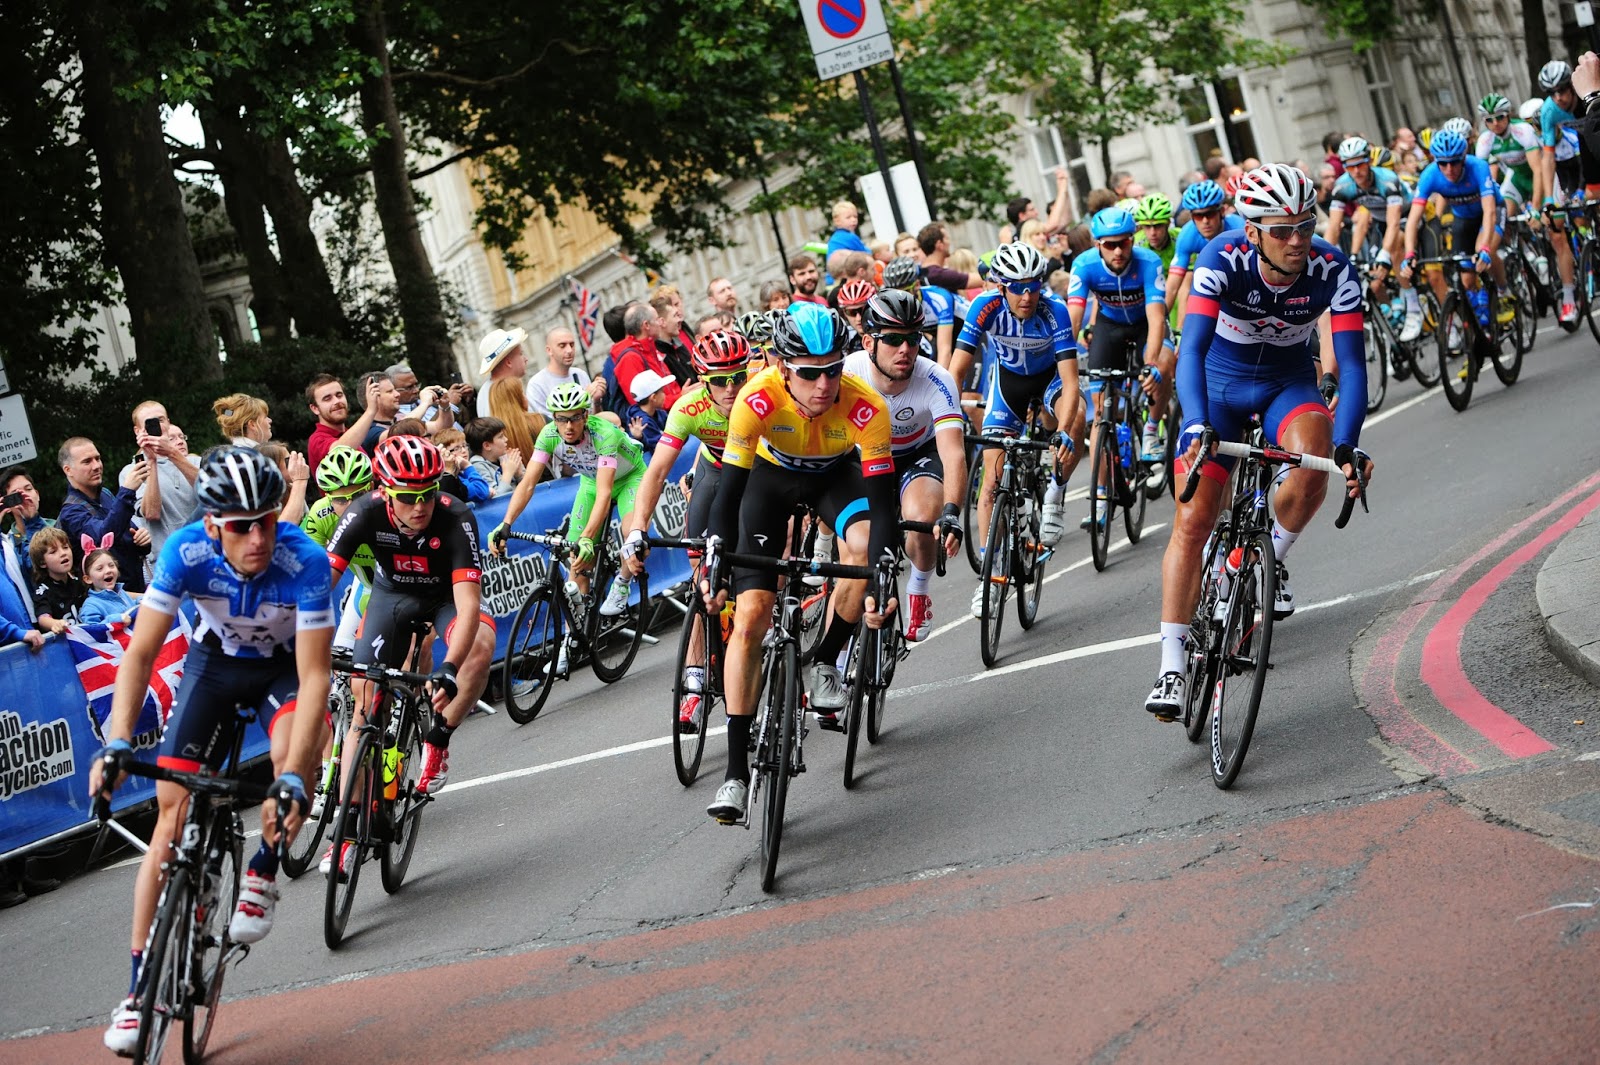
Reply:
x=801 y=431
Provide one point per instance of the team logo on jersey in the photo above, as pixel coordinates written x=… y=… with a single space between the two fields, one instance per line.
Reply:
x=411 y=563
x=1322 y=266
x=862 y=413
x=1294 y=301
x=877 y=466
x=830 y=433
x=1254 y=297
x=1236 y=254
x=434 y=543
x=905 y=414
x=1210 y=282
x=195 y=553
x=759 y=402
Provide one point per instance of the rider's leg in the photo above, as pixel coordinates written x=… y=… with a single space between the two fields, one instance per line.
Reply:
x=741 y=672
x=1310 y=432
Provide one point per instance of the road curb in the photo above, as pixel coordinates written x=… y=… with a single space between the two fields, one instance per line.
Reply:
x=1568 y=593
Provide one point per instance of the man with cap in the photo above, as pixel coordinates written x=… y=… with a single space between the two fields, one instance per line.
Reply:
x=502 y=355
x=646 y=416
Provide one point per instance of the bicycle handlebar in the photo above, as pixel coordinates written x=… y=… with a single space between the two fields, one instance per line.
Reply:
x=1277 y=456
x=932 y=529
x=1009 y=443
x=197 y=783
x=553 y=541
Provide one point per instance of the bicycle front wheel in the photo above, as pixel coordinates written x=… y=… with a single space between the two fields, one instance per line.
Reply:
x=1588 y=287
x=352 y=827
x=858 y=675
x=1376 y=339
x=1519 y=282
x=1241 y=671
x=614 y=642
x=995 y=579
x=404 y=809
x=704 y=632
x=1028 y=566
x=1456 y=337
x=1425 y=364
x=218 y=895
x=161 y=991
x=299 y=855
x=1131 y=473
x=1102 y=466
x=532 y=653
x=777 y=754
x=969 y=511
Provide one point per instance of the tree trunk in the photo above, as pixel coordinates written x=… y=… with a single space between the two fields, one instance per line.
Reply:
x=245 y=211
x=426 y=336
x=1537 y=35
x=312 y=300
x=142 y=221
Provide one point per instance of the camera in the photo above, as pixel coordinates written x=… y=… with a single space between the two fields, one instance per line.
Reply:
x=12 y=499
x=152 y=427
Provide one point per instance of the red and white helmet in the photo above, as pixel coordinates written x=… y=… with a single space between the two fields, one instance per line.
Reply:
x=1275 y=189
x=407 y=462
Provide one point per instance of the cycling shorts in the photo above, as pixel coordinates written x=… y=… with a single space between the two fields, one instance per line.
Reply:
x=204 y=719
x=1232 y=397
x=707 y=476
x=838 y=496
x=623 y=491
x=1116 y=346
x=921 y=461
x=385 y=634
x=1007 y=398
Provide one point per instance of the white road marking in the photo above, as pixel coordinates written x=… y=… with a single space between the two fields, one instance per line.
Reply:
x=1392 y=411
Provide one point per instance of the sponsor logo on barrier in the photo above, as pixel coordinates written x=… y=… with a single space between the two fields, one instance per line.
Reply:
x=672 y=511
x=32 y=755
x=507 y=579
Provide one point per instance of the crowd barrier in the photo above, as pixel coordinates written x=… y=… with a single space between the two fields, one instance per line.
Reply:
x=48 y=735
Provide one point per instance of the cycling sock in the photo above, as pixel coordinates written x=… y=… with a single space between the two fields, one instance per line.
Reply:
x=439 y=735
x=1282 y=540
x=1174 y=644
x=824 y=544
x=918 y=585
x=1568 y=293
x=1054 y=492
x=694 y=678
x=739 y=748
x=133 y=980
x=1413 y=301
x=265 y=861
x=834 y=639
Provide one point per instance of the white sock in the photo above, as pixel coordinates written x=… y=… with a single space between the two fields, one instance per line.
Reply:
x=844 y=658
x=1174 y=646
x=1413 y=301
x=825 y=543
x=918 y=584
x=1054 y=493
x=1282 y=540
x=1567 y=293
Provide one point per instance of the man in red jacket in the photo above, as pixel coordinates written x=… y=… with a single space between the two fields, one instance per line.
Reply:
x=636 y=351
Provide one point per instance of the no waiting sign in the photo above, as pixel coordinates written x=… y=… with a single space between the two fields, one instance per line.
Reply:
x=846 y=35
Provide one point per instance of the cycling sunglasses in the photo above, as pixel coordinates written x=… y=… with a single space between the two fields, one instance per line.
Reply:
x=1117 y=245
x=1286 y=231
x=894 y=340
x=815 y=373
x=412 y=495
x=1207 y=215
x=243 y=526
x=728 y=380
x=1451 y=162
x=1022 y=288
x=349 y=495
x=569 y=419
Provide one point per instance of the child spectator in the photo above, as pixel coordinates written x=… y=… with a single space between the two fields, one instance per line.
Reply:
x=493 y=456
x=452 y=445
x=647 y=415
x=58 y=593
x=106 y=602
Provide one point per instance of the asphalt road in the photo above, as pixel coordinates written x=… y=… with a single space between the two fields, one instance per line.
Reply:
x=575 y=826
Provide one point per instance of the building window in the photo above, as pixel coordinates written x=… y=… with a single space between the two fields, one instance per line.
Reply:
x=1380 y=88
x=1052 y=150
x=1218 y=120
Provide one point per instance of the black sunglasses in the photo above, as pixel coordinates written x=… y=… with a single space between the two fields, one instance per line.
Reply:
x=814 y=373
x=894 y=340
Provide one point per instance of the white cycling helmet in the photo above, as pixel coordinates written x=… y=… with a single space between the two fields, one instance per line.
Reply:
x=1354 y=149
x=1554 y=74
x=1017 y=261
x=1458 y=125
x=1529 y=111
x=1275 y=189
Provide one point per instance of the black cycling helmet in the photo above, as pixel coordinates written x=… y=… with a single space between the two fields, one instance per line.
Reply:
x=893 y=310
x=901 y=272
x=810 y=329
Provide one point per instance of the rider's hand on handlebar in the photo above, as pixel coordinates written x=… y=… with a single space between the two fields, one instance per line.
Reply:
x=100 y=787
x=711 y=590
x=1189 y=442
x=949 y=529
x=497 y=540
x=292 y=787
x=1348 y=459
x=634 y=551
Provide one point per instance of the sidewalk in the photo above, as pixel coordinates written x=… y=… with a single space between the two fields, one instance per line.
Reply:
x=1568 y=589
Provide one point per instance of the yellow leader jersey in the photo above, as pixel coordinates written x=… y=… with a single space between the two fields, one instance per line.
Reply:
x=766 y=422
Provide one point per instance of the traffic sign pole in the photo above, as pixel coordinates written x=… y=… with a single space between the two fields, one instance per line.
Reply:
x=911 y=137
x=882 y=156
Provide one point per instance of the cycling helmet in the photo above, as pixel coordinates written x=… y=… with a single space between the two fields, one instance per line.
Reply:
x=1154 y=210
x=857 y=291
x=1127 y=203
x=407 y=462
x=238 y=480
x=810 y=329
x=1383 y=157
x=721 y=351
x=1202 y=196
x=1458 y=125
x=901 y=272
x=1448 y=146
x=1494 y=106
x=568 y=397
x=1017 y=261
x=1425 y=137
x=1354 y=150
x=755 y=327
x=1111 y=222
x=1556 y=74
x=1275 y=189
x=894 y=309
x=1529 y=111
x=342 y=469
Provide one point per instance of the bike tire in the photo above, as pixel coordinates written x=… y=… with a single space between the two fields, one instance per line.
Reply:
x=207 y=968
x=302 y=853
x=162 y=977
x=614 y=642
x=783 y=696
x=858 y=674
x=1377 y=348
x=1246 y=655
x=995 y=578
x=1456 y=353
x=1028 y=566
x=1588 y=288
x=969 y=510
x=1425 y=363
x=1505 y=354
x=1520 y=284
x=1102 y=465
x=350 y=823
x=814 y=617
x=532 y=652
x=688 y=747
x=1200 y=666
x=1131 y=476
x=406 y=808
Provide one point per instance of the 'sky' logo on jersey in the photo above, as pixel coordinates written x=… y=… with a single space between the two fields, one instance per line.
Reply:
x=861 y=413
x=759 y=402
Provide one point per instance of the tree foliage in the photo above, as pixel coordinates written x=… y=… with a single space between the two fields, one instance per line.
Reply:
x=1364 y=22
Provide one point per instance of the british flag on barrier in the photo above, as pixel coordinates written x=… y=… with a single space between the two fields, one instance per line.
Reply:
x=98 y=651
x=588 y=308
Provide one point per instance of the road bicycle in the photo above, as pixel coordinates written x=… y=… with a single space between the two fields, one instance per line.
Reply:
x=301 y=854
x=1114 y=459
x=188 y=951
x=1464 y=342
x=1230 y=636
x=1584 y=235
x=558 y=615
x=702 y=637
x=1013 y=555
x=780 y=727
x=380 y=807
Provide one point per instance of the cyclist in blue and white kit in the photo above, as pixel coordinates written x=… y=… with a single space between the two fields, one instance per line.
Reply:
x=1126 y=284
x=1248 y=346
x=1207 y=205
x=1035 y=355
x=905 y=274
x=264 y=593
x=1562 y=166
x=1469 y=190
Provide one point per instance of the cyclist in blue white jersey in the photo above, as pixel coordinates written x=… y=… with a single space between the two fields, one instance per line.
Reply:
x=905 y=274
x=1035 y=355
x=1207 y=205
x=264 y=592
x=1375 y=232
x=1247 y=349
x=1469 y=190
x=1560 y=141
x=1125 y=283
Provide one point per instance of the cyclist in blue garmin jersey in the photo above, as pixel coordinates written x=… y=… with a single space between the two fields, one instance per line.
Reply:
x=1560 y=142
x=1207 y=205
x=1248 y=346
x=264 y=594
x=1469 y=190
x=1030 y=339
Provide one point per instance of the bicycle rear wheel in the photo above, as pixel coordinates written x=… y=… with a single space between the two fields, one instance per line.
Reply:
x=223 y=853
x=532 y=653
x=777 y=754
x=1199 y=669
x=1102 y=467
x=1029 y=563
x=405 y=809
x=1425 y=363
x=1241 y=671
x=1456 y=337
x=1519 y=282
x=858 y=675
x=969 y=510
x=1377 y=348
x=689 y=739
x=352 y=825
x=1588 y=287
x=995 y=578
x=614 y=642
x=1131 y=472
x=161 y=979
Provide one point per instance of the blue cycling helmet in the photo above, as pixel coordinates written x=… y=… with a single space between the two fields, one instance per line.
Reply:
x=1111 y=222
x=1447 y=146
x=1202 y=196
x=809 y=329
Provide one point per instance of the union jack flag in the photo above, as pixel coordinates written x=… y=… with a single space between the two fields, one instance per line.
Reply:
x=588 y=307
x=98 y=651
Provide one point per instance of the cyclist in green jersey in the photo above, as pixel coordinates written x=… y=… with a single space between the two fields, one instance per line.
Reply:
x=1154 y=218
x=343 y=474
x=611 y=467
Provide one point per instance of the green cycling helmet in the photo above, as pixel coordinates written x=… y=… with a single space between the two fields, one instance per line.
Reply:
x=568 y=397
x=1154 y=210
x=342 y=469
x=1494 y=106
